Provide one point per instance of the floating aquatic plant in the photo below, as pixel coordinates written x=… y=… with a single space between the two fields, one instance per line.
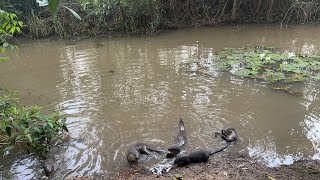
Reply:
x=266 y=64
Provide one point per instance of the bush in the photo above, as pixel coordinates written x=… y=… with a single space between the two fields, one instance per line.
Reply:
x=28 y=126
x=9 y=27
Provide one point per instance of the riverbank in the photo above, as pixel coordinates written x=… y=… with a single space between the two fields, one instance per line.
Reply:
x=150 y=17
x=233 y=166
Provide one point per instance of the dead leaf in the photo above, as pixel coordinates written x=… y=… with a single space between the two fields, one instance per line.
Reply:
x=271 y=178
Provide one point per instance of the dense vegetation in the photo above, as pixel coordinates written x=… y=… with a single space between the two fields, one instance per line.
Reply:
x=24 y=126
x=28 y=127
x=9 y=27
x=151 y=16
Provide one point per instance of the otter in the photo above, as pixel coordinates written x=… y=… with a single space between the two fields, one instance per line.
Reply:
x=195 y=157
x=175 y=149
x=228 y=134
x=138 y=149
x=181 y=139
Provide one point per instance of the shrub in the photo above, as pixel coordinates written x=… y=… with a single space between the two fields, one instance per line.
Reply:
x=28 y=126
x=9 y=27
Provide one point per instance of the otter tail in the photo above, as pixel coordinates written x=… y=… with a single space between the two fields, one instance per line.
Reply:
x=157 y=150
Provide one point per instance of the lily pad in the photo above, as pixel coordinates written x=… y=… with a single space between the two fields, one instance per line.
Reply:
x=245 y=73
x=267 y=64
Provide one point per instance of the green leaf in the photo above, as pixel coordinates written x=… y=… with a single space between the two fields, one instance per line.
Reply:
x=15 y=124
x=37 y=129
x=75 y=14
x=18 y=29
x=18 y=138
x=8 y=27
x=12 y=30
x=26 y=131
x=20 y=23
x=50 y=124
x=4 y=25
x=276 y=57
x=245 y=73
x=3 y=49
x=28 y=136
x=12 y=16
x=4 y=59
x=53 y=7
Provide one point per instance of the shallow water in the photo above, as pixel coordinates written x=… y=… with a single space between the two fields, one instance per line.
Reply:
x=119 y=91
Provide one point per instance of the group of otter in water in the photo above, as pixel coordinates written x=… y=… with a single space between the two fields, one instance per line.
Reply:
x=137 y=150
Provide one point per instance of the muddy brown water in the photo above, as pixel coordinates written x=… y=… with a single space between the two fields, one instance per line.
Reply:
x=119 y=91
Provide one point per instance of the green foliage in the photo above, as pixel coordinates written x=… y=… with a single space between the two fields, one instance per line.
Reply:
x=150 y=16
x=21 y=8
x=133 y=17
x=53 y=6
x=266 y=64
x=9 y=27
x=28 y=126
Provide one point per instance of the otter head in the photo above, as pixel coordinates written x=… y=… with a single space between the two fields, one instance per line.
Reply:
x=224 y=132
x=227 y=131
x=132 y=158
x=173 y=151
x=229 y=134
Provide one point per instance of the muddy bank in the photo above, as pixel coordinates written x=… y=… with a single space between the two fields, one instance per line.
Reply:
x=233 y=166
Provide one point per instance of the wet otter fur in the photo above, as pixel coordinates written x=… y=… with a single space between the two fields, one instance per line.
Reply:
x=196 y=157
x=135 y=151
x=228 y=134
x=175 y=149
